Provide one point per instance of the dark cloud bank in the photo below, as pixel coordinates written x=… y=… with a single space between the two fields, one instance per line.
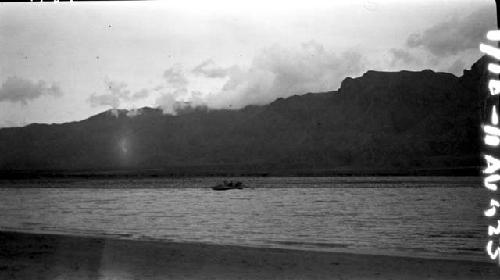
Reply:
x=20 y=90
x=455 y=35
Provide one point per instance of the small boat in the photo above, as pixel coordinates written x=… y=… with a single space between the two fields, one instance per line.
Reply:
x=228 y=186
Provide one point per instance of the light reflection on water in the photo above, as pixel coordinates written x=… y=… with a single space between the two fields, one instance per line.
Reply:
x=434 y=217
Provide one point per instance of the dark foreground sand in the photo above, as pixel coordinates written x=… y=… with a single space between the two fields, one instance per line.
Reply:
x=30 y=256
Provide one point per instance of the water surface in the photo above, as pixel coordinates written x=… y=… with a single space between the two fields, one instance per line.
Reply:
x=437 y=217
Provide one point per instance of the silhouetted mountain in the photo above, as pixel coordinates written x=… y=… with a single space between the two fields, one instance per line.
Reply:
x=380 y=121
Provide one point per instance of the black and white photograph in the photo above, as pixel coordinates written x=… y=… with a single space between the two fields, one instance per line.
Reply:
x=265 y=139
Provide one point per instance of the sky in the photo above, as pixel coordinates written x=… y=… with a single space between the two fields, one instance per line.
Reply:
x=62 y=62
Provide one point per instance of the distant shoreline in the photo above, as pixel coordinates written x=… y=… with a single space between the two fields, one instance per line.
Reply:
x=252 y=183
x=29 y=256
x=200 y=172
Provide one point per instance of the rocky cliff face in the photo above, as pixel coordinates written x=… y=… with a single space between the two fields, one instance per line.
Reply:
x=382 y=120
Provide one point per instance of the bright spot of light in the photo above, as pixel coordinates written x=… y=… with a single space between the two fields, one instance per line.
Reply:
x=123 y=146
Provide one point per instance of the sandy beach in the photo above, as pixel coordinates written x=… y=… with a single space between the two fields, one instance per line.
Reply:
x=36 y=256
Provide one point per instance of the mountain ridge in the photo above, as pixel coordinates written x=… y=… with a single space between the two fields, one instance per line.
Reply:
x=394 y=121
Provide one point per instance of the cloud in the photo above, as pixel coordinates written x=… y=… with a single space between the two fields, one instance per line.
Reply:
x=158 y=87
x=181 y=101
x=167 y=103
x=279 y=72
x=115 y=113
x=20 y=90
x=175 y=77
x=176 y=98
x=274 y=72
x=143 y=93
x=117 y=92
x=118 y=89
x=176 y=87
x=401 y=56
x=455 y=35
x=210 y=70
x=181 y=108
x=104 y=100
x=133 y=112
